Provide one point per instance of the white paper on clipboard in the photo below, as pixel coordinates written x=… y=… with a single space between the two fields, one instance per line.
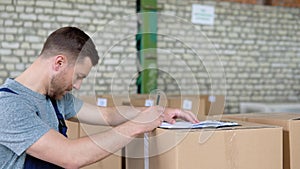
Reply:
x=202 y=124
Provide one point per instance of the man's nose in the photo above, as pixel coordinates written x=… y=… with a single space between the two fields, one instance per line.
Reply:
x=77 y=84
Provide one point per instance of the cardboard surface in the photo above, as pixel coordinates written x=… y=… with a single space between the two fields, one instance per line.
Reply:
x=89 y=99
x=73 y=129
x=74 y=132
x=198 y=104
x=105 y=100
x=146 y=100
x=250 y=146
x=193 y=103
x=113 y=161
x=214 y=105
x=290 y=122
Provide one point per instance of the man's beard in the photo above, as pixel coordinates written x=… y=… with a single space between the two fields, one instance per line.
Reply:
x=57 y=89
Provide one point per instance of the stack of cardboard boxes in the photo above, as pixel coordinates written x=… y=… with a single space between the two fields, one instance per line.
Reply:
x=256 y=143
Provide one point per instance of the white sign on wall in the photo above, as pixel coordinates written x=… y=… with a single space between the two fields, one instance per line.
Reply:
x=202 y=14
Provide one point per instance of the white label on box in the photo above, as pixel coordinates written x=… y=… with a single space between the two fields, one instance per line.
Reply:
x=187 y=105
x=102 y=102
x=212 y=98
x=149 y=103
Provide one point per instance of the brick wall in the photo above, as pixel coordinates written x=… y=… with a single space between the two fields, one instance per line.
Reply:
x=251 y=53
x=258 y=47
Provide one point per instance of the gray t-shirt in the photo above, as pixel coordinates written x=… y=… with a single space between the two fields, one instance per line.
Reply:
x=24 y=118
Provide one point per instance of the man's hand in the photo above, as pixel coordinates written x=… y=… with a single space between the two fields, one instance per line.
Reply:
x=172 y=114
x=148 y=119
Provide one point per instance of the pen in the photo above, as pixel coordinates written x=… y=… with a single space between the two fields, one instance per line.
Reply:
x=157 y=99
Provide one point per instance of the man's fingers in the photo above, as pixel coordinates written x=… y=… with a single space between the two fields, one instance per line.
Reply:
x=189 y=116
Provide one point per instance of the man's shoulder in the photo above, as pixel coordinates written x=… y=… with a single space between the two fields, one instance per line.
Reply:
x=11 y=99
x=9 y=87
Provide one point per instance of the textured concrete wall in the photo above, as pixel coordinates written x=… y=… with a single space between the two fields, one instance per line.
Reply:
x=251 y=53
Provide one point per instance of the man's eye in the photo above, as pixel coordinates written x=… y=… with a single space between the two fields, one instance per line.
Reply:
x=76 y=78
x=80 y=77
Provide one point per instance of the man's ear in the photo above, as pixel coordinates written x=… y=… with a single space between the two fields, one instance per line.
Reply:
x=60 y=61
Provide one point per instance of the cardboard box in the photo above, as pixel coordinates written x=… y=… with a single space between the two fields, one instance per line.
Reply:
x=74 y=132
x=113 y=161
x=193 y=103
x=89 y=99
x=146 y=100
x=106 y=100
x=250 y=146
x=201 y=105
x=290 y=122
x=214 y=104
x=73 y=129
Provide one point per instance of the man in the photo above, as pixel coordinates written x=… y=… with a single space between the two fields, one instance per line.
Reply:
x=35 y=104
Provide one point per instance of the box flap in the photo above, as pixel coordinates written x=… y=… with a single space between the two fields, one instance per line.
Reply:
x=280 y=119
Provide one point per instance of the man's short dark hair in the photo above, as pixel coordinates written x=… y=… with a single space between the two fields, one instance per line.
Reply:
x=73 y=43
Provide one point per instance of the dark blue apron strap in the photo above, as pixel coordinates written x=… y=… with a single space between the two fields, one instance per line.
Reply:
x=8 y=91
x=61 y=121
x=35 y=163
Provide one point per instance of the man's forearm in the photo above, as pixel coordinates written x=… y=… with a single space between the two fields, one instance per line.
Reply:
x=83 y=151
x=120 y=114
x=112 y=116
x=94 y=147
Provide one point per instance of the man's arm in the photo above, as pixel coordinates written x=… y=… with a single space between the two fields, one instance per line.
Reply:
x=55 y=148
x=113 y=116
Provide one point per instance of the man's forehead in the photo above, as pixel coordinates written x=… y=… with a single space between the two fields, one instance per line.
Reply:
x=84 y=66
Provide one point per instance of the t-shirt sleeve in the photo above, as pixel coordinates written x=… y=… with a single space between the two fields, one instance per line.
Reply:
x=71 y=105
x=20 y=126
